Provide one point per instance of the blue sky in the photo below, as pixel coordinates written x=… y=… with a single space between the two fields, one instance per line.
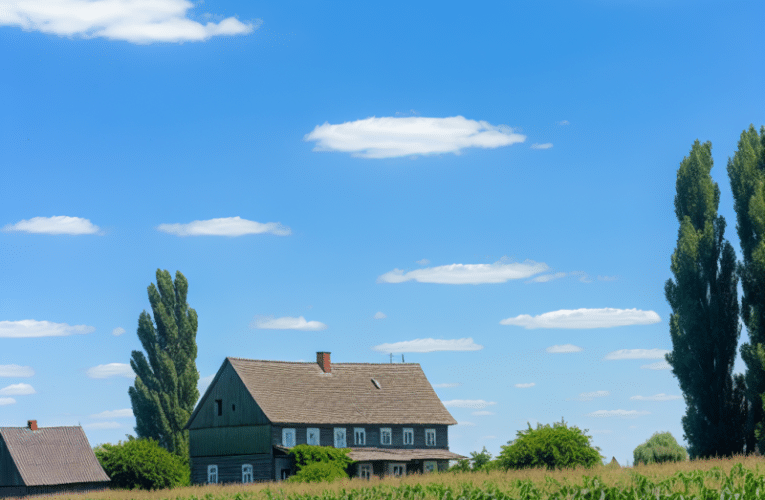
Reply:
x=487 y=189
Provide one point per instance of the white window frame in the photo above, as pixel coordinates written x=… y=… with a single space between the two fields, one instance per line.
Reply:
x=212 y=474
x=339 y=435
x=386 y=431
x=247 y=474
x=316 y=433
x=359 y=436
x=408 y=436
x=430 y=437
x=429 y=466
x=392 y=469
x=286 y=440
x=365 y=471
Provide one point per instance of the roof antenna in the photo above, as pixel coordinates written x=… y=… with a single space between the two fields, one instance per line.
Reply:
x=402 y=357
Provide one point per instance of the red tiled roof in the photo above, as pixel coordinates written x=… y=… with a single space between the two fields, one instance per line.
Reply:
x=52 y=455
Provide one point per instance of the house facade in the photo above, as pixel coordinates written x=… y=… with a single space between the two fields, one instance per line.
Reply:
x=46 y=461
x=255 y=411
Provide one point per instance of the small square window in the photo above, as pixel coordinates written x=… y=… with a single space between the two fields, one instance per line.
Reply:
x=365 y=471
x=212 y=474
x=359 y=436
x=288 y=437
x=430 y=437
x=386 y=436
x=408 y=436
x=219 y=407
x=430 y=466
x=340 y=437
x=312 y=436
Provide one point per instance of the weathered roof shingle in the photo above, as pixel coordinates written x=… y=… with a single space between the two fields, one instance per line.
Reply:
x=393 y=455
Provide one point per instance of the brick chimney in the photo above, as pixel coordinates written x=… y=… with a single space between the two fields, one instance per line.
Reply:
x=322 y=358
x=32 y=424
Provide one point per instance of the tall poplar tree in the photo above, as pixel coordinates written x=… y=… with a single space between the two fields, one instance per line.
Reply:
x=704 y=321
x=746 y=171
x=165 y=389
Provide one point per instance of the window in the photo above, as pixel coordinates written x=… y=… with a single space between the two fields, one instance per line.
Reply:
x=219 y=407
x=340 y=437
x=365 y=471
x=408 y=436
x=397 y=470
x=385 y=435
x=288 y=437
x=247 y=473
x=430 y=437
x=359 y=436
x=212 y=474
x=430 y=466
x=312 y=436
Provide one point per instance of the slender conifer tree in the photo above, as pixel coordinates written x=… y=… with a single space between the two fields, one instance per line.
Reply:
x=165 y=389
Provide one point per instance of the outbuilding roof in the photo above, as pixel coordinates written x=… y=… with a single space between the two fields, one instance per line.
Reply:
x=399 y=455
x=52 y=455
x=352 y=393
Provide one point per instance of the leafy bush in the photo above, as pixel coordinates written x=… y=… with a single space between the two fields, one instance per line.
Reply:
x=142 y=463
x=661 y=447
x=556 y=446
x=319 y=472
x=305 y=455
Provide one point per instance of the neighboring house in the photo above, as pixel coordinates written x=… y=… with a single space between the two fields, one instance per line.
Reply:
x=254 y=411
x=47 y=460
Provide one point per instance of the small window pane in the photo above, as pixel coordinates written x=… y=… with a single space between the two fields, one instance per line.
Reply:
x=408 y=436
x=430 y=437
x=359 y=436
x=340 y=437
x=312 y=436
x=247 y=473
x=365 y=471
x=212 y=474
x=385 y=436
x=288 y=437
x=430 y=466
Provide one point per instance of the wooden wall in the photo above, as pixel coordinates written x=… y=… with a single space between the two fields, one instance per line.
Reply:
x=230 y=468
x=9 y=474
x=221 y=441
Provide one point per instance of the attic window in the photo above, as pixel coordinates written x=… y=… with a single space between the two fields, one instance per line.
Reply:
x=376 y=383
x=219 y=407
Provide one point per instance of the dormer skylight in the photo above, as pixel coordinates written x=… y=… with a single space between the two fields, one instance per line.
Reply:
x=376 y=383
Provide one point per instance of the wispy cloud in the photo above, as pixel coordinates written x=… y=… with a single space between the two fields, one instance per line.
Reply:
x=59 y=224
x=546 y=145
x=466 y=424
x=380 y=315
x=446 y=386
x=31 y=328
x=103 y=425
x=111 y=370
x=17 y=390
x=547 y=277
x=286 y=323
x=483 y=413
x=637 y=354
x=118 y=331
x=657 y=397
x=16 y=371
x=561 y=349
x=423 y=262
x=129 y=20
x=227 y=226
x=125 y=413
x=390 y=137
x=526 y=385
x=7 y=401
x=429 y=345
x=589 y=396
x=584 y=318
x=477 y=404
x=564 y=122
x=467 y=274
x=618 y=413
x=607 y=278
x=659 y=365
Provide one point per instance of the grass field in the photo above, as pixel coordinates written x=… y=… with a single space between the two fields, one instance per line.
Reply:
x=740 y=478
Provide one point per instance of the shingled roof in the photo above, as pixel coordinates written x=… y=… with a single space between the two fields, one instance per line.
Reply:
x=301 y=393
x=52 y=455
x=398 y=455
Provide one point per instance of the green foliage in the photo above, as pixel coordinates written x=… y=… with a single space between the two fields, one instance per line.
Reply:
x=746 y=171
x=165 y=389
x=481 y=460
x=461 y=466
x=318 y=472
x=142 y=463
x=305 y=455
x=704 y=322
x=555 y=447
x=661 y=447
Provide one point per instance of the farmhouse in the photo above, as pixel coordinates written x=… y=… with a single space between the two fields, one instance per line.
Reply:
x=35 y=460
x=255 y=411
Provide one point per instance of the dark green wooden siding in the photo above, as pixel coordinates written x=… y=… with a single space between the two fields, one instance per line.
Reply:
x=9 y=474
x=221 y=441
x=237 y=406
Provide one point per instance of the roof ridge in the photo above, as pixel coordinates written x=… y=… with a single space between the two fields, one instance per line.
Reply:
x=334 y=363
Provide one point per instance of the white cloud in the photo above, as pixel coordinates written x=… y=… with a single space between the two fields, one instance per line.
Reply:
x=467 y=274
x=607 y=278
x=59 y=224
x=390 y=137
x=135 y=21
x=483 y=413
x=547 y=277
x=227 y=226
x=659 y=365
x=118 y=331
x=584 y=318
x=103 y=425
x=204 y=383
x=423 y=262
x=127 y=412
x=657 y=397
x=565 y=348
x=17 y=390
x=564 y=122
x=286 y=323
x=546 y=145
x=31 y=328
x=380 y=315
x=525 y=386
x=429 y=345
x=16 y=371
x=7 y=401
x=637 y=354
x=466 y=424
x=111 y=370
x=477 y=404
x=589 y=396
x=618 y=413
x=446 y=386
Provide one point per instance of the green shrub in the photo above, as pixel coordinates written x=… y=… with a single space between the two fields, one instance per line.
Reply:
x=319 y=472
x=142 y=463
x=305 y=455
x=555 y=447
x=661 y=447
